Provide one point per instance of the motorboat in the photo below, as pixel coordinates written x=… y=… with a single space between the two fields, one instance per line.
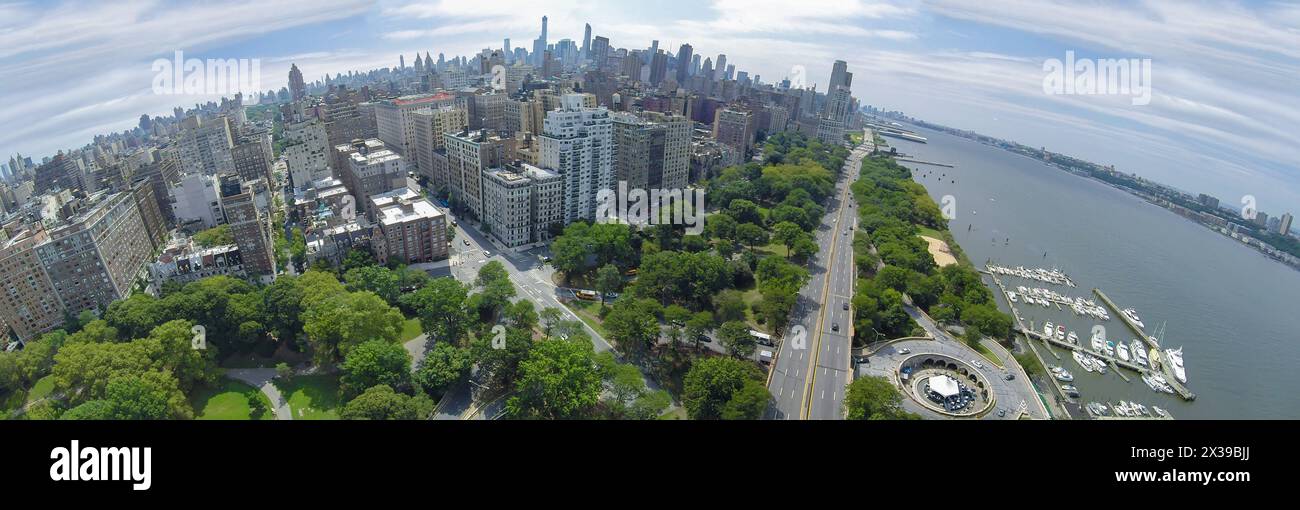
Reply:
x=1083 y=361
x=1060 y=332
x=1133 y=316
x=1072 y=338
x=1097 y=362
x=1011 y=296
x=1047 y=330
x=1175 y=357
x=1139 y=352
x=1098 y=344
x=1122 y=351
x=1110 y=348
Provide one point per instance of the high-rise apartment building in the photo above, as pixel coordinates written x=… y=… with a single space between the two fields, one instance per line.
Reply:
x=521 y=205
x=652 y=150
x=408 y=228
x=469 y=154
x=204 y=146
x=250 y=228
x=251 y=155
x=393 y=118
x=373 y=169
x=93 y=257
x=297 y=88
x=735 y=128
x=306 y=151
x=577 y=143
x=430 y=124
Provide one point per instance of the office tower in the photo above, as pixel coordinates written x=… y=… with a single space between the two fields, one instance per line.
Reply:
x=684 y=58
x=428 y=60
x=251 y=229
x=658 y=67
x=654 y=48
x=297 y=88
x=652 y=150
x=707 y=69
x=393 y=118
x=539 y=46
x=735 y=128
x=632 y=65
x=469 y=154
x=720 y=67
x=521 y=205
x=251 y=155
x=586 y=42
x=409 y=229
x=695 y=64
x=577 y=143
x=204 y=146
x=306 y=151
x=430 y=126
x=1284 y=226
x=373 y=169
x=505 y=49
x=600 y=51
x=730 y=72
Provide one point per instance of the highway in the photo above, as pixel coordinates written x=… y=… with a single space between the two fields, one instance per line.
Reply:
x=812 y=367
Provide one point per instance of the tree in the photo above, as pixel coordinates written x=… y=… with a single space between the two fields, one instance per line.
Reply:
x=721 y=226
x=502 y=364
x=729 y=305
x=339 y=323
x=747 y=403
x=787 y=233
x=649 y=405
x=375 y=362
x=282 y=306
x=444 y=366
x=136 y=315
x=569 y=255
x=283 y=371
x=751 y=235
x=382 y=403
x=378 y=279
x=805 y=247
x=698 y=326
x=491 y=272
x=608 y=280
x=550 y=317
x=151 y=395
x=92 y=410
x=626 y=384
x=558 y=380
x=874 y=398
x=632 y=325
x=735 y=336
x=216 y=236
x=441 y=308
x=521 y=314
x=710 y=384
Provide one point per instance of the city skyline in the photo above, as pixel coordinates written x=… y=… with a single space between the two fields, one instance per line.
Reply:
x=1219 y=107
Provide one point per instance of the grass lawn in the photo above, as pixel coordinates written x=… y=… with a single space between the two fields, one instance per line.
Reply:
x=589 y=312
x=993 y=358
x=229 y=400
x=312 y=397
x=41 y=389
x=751 y=296
x=410 y=329
x=929 y=232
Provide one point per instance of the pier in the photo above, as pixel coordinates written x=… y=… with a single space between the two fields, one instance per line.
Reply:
x=1111 y=406
x=1173 y=382
x=919 y=162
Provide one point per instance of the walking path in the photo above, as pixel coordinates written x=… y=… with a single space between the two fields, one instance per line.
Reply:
x=261 y=378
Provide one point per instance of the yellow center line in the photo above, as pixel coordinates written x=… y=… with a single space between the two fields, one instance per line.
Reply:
x=806 y=409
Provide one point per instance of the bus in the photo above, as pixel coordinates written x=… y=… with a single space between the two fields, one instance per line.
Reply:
x=588 y=295
x=761 y=337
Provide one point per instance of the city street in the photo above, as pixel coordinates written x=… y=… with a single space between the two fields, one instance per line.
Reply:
x=818 y=367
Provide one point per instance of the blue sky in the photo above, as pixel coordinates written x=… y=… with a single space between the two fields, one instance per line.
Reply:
x=1224 y=116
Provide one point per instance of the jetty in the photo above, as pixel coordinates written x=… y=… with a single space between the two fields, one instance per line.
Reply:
x=1157 y=354
x=920 y=162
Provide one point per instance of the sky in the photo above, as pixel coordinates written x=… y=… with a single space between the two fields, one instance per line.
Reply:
x=1224 y=114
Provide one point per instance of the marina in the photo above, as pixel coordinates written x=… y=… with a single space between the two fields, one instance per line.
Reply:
x=1053 y=276
x=1101 y=354
x=1125 y=410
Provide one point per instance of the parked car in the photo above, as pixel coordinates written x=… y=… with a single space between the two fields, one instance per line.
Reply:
x=861 y=360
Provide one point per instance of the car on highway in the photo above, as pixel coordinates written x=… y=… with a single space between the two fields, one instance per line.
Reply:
x=466 y=241
x=835 y=326
x=861 y=360
x=1010 y=376
x=904 y=351
x=1002 y=412
x=846 y=306
x=977 y=364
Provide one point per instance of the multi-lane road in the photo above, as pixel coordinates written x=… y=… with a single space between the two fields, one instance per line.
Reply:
x=812 y=368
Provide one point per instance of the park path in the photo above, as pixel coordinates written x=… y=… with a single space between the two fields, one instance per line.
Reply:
x=261 y=378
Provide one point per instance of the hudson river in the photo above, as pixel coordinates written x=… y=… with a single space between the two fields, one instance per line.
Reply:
x=1235 y=312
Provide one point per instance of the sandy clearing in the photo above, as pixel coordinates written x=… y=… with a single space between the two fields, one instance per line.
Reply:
x=939 y=250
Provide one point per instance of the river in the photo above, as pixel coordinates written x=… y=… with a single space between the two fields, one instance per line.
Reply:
x=1233 y=310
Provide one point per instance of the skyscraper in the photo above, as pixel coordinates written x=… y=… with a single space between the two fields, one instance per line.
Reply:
x=651 y=151
x=720 y=66
x=251 y=230
x=840 y=76
x=600 y=51
x=1284 y=227
x=297 y=88
x=586 y=43
x=684 y=56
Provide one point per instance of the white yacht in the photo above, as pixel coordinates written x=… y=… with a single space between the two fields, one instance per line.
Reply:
x=1175 y=357
x=1122 y=350
x=1110 y=348
x=1047 y=330
x=1139 y=352
x=1097 y=362
x=1011 y=296
x=1133 y=316
x=1060 y=332
x=1072 y=338
x=1083 y=361
x=1098 y=344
